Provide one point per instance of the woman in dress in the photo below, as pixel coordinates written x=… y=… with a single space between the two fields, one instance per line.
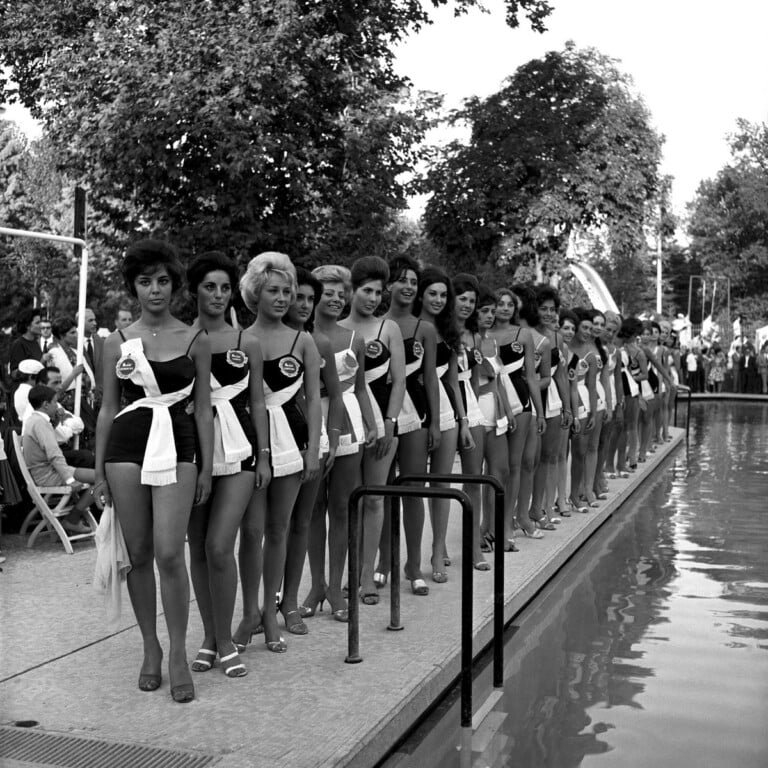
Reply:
x=557 y=407
x=240 y=458
x=416 y=435
x=517 y=353
x=357 y=431
x=435 y=304
x=301 y=316
x=291 y=361
x=385 y=379
x=146 y=451
x=62 y=354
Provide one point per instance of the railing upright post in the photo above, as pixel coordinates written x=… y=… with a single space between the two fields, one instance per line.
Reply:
x=394 y=569
x=498 y=592
x=353 y=603
x=467 y=570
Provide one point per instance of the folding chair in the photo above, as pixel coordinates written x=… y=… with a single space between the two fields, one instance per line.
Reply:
x=43 y=497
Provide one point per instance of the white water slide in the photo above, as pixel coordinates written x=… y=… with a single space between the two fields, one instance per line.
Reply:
x=593 y=284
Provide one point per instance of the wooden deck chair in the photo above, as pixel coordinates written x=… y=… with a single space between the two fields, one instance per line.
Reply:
x=43 y=498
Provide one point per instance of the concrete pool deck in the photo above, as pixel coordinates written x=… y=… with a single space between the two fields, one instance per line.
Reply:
x=61 y=667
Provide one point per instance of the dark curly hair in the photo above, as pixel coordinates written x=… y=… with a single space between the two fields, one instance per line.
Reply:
x=211 y=261
x=444 y=322
x=148 y=254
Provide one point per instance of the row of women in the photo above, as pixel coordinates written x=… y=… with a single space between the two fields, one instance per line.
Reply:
x=323 y=392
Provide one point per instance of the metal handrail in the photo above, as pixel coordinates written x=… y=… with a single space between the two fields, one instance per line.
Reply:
x=353 y=631
x=498 y=559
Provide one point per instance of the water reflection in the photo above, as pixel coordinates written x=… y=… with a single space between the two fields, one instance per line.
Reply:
x=650 y=645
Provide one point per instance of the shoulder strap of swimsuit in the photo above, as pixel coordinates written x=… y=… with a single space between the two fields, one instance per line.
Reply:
x=239 y=338
x=416 y=329
x=381 y=328
x=194 y=338
x=517 y=335
x=295 y=339
x=351 y=339
x=121 y=334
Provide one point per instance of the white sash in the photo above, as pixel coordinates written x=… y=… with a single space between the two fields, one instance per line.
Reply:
x=286 y=456
x=447 y=416
x=159 y=467
x=515 y=403
x=230 y=443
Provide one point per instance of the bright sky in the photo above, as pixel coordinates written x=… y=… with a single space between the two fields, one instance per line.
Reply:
x=698 y=64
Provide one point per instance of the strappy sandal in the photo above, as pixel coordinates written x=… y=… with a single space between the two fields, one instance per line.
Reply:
x=234 y=669
x=203 y=661
x=419 y=587
x=487 y=542
x=149 y=682
x=276 y=646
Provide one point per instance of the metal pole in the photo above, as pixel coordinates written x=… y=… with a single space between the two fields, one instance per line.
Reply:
x=498 y=594
x=467 y=569
x=353 y=630
x=394 y=570
x=498 y=576
x=658 y=269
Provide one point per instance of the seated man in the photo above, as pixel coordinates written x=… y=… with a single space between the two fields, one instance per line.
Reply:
x=46 y=462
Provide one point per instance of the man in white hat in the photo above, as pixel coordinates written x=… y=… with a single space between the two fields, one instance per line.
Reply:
x=27 y=371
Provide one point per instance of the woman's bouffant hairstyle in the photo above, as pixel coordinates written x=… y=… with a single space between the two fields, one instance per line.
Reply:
x=146 y=255
x=368 y=268
x=593 y=313
x=567 y=314
x=211 y=261
x=529 y=305
x=545 y=292
x=260 y=269
x=444 y=322
x=400 y=265
x=333 y=273
x=583 y=314
x=630 y=328
x=25 y=318
x=485 y=297
x=62 y=325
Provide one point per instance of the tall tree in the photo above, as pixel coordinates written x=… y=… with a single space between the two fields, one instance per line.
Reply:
x=240 y=123
x=729 y=221
x=566 y=143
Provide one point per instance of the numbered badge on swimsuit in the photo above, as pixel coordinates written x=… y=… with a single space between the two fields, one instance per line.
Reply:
x=517 y=347
x=322 y=363
x=478 y=355
x=571 y=374
x=125 y=367
x=289 y=367
x=599 y=363
x=582 y=366
x=537 y=358
x=237 y=358
x=418 y=350
x=374 y=348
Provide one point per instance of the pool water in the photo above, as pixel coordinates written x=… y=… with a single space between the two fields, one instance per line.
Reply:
x=651 y=647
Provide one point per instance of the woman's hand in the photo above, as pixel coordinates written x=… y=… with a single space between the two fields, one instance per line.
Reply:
x=576 y=426
x=383 y=444
x=263 y=471
x=566 y=419
x=434 y=436
x=589 y=426
x=541 y=424
x=466 y=440
x=330 y=459
x=101 y=493
x=311 y=467
x=512 y=423
x=203 y=489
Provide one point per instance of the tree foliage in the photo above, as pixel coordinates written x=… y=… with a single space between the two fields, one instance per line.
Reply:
x=564 y=144
x=729 y=221
x=237 y=124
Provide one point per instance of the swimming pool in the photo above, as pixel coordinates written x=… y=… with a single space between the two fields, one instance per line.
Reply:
x=651 y=646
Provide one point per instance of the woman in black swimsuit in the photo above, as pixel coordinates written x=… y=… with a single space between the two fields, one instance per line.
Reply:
x=145 y=454
x=291 y=361
x=416 y=435
x=385 y=379
x=241 y=457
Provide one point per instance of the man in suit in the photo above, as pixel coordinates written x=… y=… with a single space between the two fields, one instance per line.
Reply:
x=749 y=372
x=46 y=334
x=93 y=350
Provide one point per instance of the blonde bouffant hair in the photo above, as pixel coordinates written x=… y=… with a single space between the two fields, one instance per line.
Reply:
x=333 y=273
x=260 y=269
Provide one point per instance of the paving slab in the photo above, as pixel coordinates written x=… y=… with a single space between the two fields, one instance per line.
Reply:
x=61 y=667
